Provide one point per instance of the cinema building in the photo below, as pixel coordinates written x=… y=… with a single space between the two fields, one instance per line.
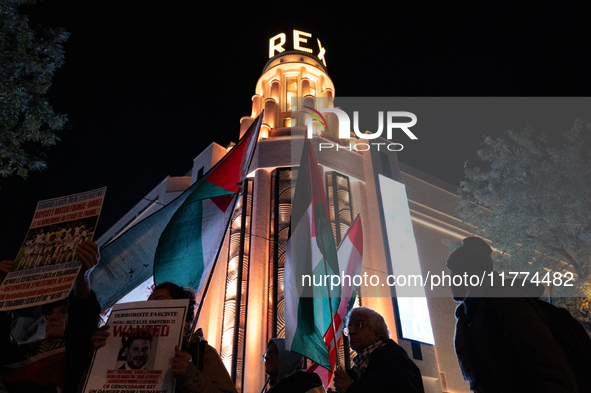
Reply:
x=399 y=207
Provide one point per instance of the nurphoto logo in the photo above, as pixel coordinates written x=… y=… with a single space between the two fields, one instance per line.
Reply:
x=393 y=122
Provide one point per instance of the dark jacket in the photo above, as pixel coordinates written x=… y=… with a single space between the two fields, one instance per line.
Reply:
x=290 y=375
x=207 y=374
x=299 y=382
x=504 y=344
x=389 y=370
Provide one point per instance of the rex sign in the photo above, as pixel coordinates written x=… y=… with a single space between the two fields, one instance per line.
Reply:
x=300 y=43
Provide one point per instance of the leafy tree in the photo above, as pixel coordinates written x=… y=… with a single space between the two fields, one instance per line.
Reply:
x=532 y=198
x=28 y=61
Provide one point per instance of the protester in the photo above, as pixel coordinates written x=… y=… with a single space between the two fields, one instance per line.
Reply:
x=381 y=365
x=286 y=370
x=503 y=337
x=197 y=367
x=56 y=363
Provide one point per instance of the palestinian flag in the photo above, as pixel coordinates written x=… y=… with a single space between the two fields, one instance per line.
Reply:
x=178 y=242
x=311 y=255
x=189 y=244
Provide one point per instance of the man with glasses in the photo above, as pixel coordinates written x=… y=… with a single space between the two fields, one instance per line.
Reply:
x=381 y=365
x=55 y=363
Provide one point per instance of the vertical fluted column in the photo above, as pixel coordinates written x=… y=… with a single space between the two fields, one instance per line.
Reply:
x=256 y=106
x=256 y=330
x=329 y=98
x=270 y=113
x=275 y=90
x=305 y=87
x=245 y=123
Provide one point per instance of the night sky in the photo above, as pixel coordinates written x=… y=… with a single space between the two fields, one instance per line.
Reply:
x=147 y=85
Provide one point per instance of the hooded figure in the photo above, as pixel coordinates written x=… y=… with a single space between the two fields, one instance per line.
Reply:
x=472 y=257
x=504 y=339
x=286 y=370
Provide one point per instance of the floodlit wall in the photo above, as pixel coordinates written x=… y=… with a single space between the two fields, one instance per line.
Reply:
x=431 y=203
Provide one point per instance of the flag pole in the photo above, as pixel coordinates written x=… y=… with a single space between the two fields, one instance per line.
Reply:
x=215 y=262
x=334 y=332
x=266 y=383
x=241 y=184
x=346 y=339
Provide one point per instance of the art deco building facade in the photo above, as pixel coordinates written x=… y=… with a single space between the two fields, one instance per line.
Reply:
x=244 y=306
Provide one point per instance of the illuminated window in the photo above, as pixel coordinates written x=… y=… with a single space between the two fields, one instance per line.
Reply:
x=291 y=87
x=289 y=122
x=313 y=88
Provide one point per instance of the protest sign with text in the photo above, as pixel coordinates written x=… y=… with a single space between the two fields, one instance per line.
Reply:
x=46 y=265
x=138 y=354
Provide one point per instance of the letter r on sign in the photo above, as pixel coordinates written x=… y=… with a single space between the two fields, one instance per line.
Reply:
x=276 y=47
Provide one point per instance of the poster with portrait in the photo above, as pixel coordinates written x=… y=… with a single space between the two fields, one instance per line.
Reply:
x=47 y=265
x=138 y=354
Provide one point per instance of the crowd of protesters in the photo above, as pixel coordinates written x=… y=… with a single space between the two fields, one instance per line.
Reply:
x=503 y=343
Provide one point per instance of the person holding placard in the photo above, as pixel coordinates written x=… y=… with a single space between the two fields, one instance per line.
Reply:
x=56 y=363
x=197 y=366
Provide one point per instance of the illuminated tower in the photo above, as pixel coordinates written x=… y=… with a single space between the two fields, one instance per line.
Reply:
x=253 y=280
x=244 y=306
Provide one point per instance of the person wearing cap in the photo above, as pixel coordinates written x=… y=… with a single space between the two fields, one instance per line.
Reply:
x=57 y=362
x=502 y=339
x=285 y=370
x=381 y=365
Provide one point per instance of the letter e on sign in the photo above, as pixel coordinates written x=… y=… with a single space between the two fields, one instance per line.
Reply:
x=297 y=39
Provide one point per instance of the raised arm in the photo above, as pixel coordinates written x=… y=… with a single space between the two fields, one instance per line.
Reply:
x=89 y=256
